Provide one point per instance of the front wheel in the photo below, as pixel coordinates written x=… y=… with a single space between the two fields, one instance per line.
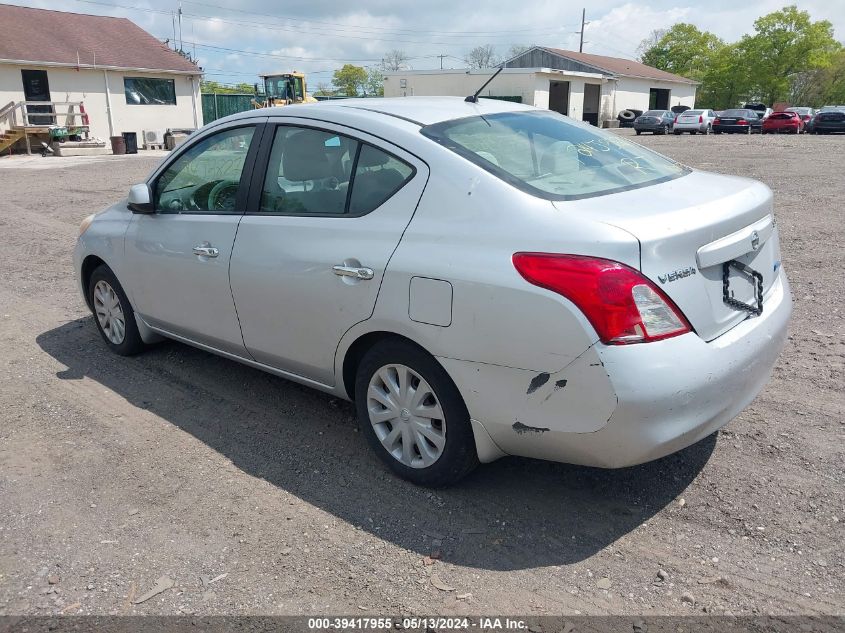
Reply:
x=113 y=313
x=413 y=415
x=665 y=130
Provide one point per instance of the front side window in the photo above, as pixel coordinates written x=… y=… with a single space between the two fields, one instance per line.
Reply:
x=551 y=156
x=206 y=177
x=149 y=91
x=316 y=172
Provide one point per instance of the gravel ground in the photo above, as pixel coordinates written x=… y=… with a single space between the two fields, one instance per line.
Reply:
x=252 y=495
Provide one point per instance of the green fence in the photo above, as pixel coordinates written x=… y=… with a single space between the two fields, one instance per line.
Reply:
x=216 y=106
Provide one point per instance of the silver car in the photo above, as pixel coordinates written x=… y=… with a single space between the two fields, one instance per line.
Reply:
x=694 y=121
x=482 y=279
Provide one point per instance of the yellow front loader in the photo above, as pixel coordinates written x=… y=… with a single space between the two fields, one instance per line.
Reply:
x=283 y=89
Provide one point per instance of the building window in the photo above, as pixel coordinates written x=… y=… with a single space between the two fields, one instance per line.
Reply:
x=149 y=91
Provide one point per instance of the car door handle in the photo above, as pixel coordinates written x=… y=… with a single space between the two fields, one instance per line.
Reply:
x=358 y=272
x=206 y=250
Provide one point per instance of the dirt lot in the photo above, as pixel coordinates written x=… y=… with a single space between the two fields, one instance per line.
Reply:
x=115 y=472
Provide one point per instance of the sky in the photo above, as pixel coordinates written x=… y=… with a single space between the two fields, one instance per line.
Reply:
x=235 y=41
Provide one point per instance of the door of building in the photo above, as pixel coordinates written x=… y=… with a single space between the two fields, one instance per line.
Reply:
x=37 y=88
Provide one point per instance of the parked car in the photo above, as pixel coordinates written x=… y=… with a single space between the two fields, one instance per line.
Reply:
x=780 y=122
x=828 y=120
x=695 y=121
x=806 y=114
x=763 y=111
x=481 y=279
x=654 y=121
x=737 y=121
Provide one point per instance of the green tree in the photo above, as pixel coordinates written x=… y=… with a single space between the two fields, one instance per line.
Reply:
x=683 y=50
x=785 y=44
x=374 y=86
x=350 y=79
x=725 y=81
x=210 y=87
x=822 y=86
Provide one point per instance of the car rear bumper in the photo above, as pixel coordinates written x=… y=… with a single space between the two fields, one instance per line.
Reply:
x=651 y=127
x=690 y=127
x=618 y=406
x=733 y=129
x=829 y=127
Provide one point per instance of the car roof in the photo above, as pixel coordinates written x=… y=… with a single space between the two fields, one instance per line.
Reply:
x=418 y=110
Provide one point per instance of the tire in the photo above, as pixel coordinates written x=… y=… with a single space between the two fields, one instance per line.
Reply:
x=664 y=130
x=707 y=130
x=676 y=132
x=638 y=132
x=693 y=132
x=457 y=456
x=717 y=132
x=111 y=307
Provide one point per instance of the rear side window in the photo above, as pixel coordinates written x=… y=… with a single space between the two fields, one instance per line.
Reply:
x=551 y=156
x=317 y=172
x=378 y=175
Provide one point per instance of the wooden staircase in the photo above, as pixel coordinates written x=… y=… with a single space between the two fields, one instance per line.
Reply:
x=9 y=138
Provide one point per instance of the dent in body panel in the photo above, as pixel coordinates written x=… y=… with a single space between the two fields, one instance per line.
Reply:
x=576 y=399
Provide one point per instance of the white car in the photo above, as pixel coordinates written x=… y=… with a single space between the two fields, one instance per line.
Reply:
x=481 y=278
x=694 y=121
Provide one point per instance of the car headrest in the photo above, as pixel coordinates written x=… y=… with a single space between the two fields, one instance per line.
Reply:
x=305 y=157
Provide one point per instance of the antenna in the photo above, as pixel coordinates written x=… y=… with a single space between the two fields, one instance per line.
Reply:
x=474 y=98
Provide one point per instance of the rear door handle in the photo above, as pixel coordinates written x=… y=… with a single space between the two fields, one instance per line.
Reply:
x=358 y=272
x=206 y=250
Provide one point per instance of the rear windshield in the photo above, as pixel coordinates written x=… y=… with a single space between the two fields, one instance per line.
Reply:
x=730 y=113
x=694 y=112
x=654 y=113
x=551 y=156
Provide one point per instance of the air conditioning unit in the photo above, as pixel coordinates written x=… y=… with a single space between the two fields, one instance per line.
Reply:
x=153 y=137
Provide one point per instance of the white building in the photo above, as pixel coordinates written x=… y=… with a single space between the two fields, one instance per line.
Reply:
x=589 y=87
x=125 y=78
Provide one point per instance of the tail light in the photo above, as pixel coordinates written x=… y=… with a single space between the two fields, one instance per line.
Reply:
x=700 y=119
x=717 y=120
x=742 y=122
x=619 y=302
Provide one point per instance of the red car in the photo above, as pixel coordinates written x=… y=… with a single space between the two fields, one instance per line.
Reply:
x=788 y=122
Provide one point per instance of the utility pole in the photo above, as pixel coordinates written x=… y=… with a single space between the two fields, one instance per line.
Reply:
x=441 y=56
x=180 y=25
x=583 y=24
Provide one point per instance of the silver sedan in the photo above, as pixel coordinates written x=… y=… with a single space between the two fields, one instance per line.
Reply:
x=694 y=121
x=482 y=279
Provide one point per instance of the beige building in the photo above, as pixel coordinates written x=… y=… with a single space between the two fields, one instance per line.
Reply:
x=588 y=87
x=123 y=77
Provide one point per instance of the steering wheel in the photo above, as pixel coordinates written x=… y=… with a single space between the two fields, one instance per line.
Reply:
x=222 y=196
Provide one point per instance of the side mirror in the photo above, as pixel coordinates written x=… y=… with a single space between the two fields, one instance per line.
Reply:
x=139 y=199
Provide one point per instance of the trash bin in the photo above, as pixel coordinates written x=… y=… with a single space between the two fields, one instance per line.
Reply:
x=130 y=139
x=118 y=145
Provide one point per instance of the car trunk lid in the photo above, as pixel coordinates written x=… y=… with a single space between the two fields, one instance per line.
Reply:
x=688 y=229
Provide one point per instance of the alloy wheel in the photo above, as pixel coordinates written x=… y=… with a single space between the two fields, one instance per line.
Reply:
x=109 y=312
x=406 y=416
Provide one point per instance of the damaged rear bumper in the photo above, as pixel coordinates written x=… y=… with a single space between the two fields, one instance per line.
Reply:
x=617 y=406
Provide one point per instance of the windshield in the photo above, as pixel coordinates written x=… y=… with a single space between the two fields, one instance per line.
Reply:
x=551 y=156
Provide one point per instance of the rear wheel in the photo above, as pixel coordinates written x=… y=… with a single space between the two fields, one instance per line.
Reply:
x=677 y=132
x=413 y=415
x=707 y=130
x=638 y=132
x=113 y=314
x=664 y=130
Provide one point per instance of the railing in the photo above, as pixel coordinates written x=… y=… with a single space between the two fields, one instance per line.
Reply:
x=72 y=117
x=6 y=113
